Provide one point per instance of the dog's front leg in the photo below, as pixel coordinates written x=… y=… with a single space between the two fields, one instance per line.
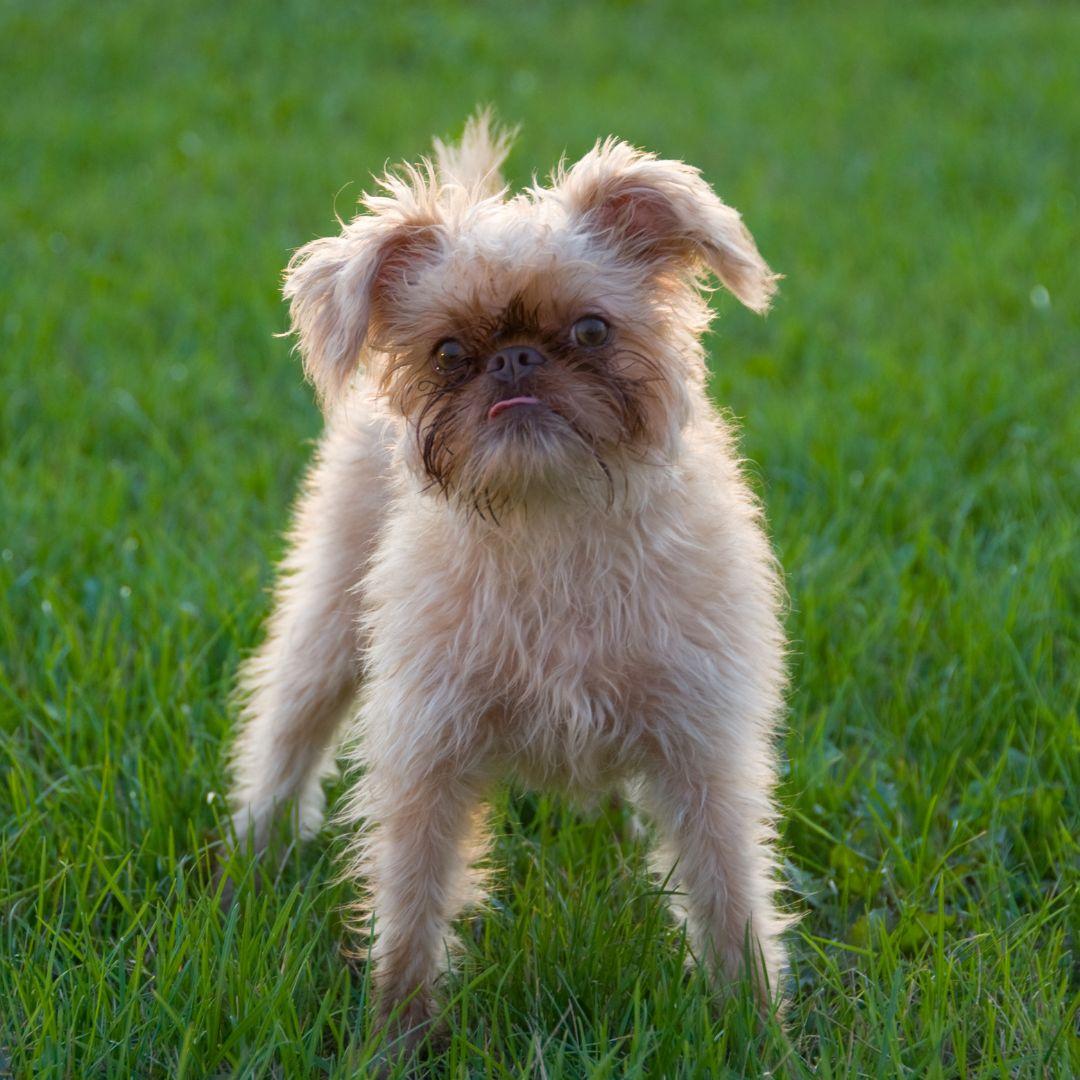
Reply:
x=421 y=830
x=714 y=813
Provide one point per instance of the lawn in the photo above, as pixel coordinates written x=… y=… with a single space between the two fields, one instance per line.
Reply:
x=911 y=409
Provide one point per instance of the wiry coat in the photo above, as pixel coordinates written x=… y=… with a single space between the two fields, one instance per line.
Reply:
x=576 y=593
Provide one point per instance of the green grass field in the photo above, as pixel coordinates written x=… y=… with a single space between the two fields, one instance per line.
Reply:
x=911 y=409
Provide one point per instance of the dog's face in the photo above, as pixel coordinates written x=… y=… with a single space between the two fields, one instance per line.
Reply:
x=533 y=344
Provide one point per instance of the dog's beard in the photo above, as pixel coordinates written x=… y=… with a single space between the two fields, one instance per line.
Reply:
x=573 y=447
x=536 y=457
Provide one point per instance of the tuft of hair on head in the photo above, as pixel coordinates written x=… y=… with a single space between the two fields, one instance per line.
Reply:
x=474 y=162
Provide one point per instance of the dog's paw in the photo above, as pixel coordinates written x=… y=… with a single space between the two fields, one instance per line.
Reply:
x=410 y=1023
x=405 y=1035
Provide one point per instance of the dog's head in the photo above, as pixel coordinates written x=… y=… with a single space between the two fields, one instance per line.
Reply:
x=533 y=343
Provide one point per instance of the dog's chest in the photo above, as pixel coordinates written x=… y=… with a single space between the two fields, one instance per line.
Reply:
x=565 y=614
x=562 y=641
x=556 y=644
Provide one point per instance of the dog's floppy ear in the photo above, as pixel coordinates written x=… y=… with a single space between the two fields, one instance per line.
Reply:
x=336 y=285
x=664 y=211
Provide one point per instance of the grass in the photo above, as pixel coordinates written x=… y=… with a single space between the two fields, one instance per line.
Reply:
x=910 y=408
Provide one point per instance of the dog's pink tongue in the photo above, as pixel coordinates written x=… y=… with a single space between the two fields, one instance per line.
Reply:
x=509 y=403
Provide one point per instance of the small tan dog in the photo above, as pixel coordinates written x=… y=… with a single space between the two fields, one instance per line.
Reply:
x=526 y=546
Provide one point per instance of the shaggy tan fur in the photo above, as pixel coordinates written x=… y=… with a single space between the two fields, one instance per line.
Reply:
x=575 y=591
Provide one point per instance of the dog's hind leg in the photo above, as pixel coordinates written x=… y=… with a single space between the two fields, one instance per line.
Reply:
x=297 y=686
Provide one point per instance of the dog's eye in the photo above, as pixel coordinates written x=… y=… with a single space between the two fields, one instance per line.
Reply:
x=591 y=331
x=449 y=355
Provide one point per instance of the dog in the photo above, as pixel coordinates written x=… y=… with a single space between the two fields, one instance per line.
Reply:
x=526 y=549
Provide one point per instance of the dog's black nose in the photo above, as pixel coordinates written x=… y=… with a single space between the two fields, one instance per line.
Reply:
x=515 y=363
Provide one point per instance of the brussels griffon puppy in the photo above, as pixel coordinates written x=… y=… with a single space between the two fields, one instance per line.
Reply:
x=526 y=548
